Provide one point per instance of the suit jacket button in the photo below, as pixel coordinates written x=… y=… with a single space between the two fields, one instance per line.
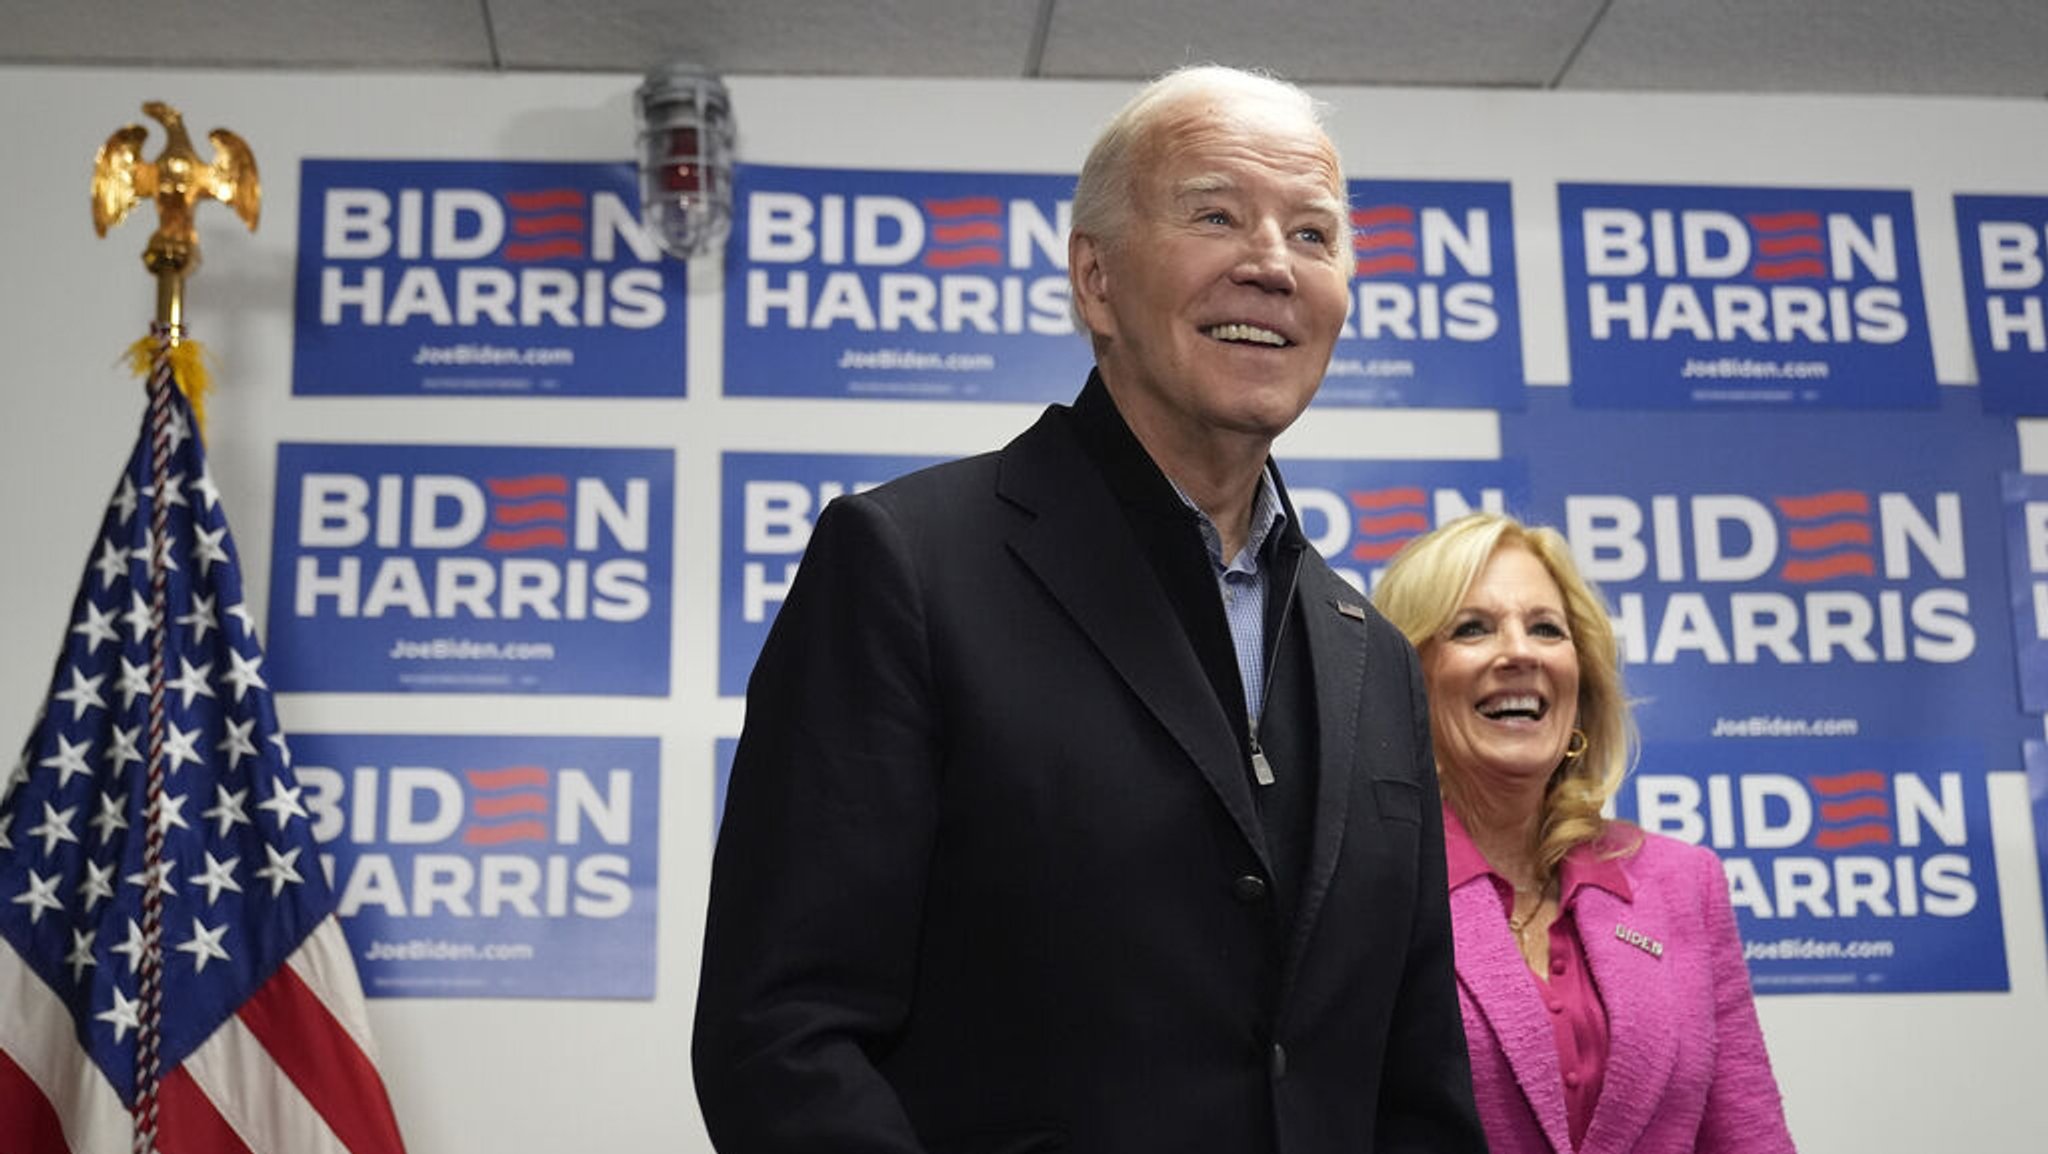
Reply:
x=1276 y=1061
x=1249 y=888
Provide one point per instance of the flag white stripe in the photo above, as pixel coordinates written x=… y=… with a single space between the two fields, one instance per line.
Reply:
x=37 y=1033
x=263 y=1106
x=324 y=963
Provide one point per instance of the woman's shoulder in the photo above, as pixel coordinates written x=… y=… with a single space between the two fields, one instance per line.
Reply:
x=1655 y=853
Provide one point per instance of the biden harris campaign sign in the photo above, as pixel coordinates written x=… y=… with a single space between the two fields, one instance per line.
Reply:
x=2026 y=550
x=771 y=502
x=923 y=285
x=1854 y=866
x=460 y=277
x=1358 y=514
x=1791 y=573
x=1681 y=297
x=1999 y=239
x=472 y=569
x=1434 y=316
x=490 y=866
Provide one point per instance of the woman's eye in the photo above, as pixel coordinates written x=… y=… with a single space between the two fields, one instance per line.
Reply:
x=1548 y=629
x=1468 y=629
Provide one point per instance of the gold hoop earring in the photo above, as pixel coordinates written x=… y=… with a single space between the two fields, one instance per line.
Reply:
x=1575 y=746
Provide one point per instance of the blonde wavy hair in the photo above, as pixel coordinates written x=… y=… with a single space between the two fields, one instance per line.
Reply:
x=1420 y=592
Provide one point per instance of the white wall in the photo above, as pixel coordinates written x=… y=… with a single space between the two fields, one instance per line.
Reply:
x=1861 y=1074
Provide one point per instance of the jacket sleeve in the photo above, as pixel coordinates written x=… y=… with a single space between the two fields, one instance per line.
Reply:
x=818 y=878
x=1744 y=1113
x=1425 y=1100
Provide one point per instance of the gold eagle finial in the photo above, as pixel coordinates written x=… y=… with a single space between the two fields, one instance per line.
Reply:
x=177 y=180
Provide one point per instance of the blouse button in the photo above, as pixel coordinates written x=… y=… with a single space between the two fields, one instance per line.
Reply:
x=1572 y=1080
x=1557 y=965
x=1557 y=1007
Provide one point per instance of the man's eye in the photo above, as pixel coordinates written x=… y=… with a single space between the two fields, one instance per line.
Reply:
x=1313 y=236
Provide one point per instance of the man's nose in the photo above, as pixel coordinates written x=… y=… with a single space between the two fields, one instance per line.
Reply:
x=1265 y=261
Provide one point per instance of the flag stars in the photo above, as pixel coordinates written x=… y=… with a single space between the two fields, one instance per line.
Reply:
x=204 y=486
x=179 y=746
x=121 y=1016
x=112 y=563
x=172 y=491
x=81 y=953
x=112 y=816
x=204 y=945
x=243 y=674
x=140 y=618
x=282 y=869
x=134 y=683
x=124 y=498
x=180 y=430
x=207 y=549
x=40 y=895
x=156 y=875
x=227 y=809
x=84 y=693
x=217 y=876
x=201 y=619
x=132 y=948
x=237 y=744
x=148 y=553
x=55 y=827
x=121 y=747
x=69 y=760
x=97 y=883
x=191 y=682
x=171 y=813
x=98 y=628
x=283 y=803
x=240 y=612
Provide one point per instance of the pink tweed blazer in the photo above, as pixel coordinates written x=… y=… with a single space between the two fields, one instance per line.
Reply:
x=1686 y=1067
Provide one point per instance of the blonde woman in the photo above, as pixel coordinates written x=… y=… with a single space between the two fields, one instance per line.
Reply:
x=1605 y=1000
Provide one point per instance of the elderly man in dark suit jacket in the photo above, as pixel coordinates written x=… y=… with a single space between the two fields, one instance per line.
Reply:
x=1080 y=806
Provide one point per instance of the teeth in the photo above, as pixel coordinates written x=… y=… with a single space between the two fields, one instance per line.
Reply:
x=1517 y=703
x=1253 y=333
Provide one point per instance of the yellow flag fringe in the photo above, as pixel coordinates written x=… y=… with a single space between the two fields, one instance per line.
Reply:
x=188 y=368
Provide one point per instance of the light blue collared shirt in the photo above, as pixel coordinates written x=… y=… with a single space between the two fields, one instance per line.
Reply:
x=1241 y=581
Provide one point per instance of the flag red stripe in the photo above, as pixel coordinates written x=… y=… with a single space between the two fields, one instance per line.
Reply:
x=502 y=542
x=26 y=1117
x=500 y=806
x=318 y=1055
x=510 y=776
x=1783 y=221
x=1383 y=498
x=1379 y=526
x=187 y=1122
x=515 y=488
x=1382 y=214
x=1377 y=550
x=500 y=835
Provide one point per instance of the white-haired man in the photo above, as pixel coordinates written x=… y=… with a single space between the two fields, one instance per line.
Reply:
x=1080 y=806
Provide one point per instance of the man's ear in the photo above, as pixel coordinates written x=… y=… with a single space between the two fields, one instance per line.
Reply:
x=1088 y=280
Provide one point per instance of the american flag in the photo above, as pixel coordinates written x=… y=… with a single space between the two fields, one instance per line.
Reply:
x=263 y=1044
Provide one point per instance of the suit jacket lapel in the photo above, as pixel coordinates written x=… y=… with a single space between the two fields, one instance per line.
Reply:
x=1079 y=548
x=1492 y=971
x=1642 y=1047
x=1336 y=642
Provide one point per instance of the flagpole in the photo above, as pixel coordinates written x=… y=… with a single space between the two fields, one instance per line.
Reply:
x=176 y=180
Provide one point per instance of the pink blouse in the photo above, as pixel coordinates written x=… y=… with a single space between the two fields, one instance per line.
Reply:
x=1578 y=1021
